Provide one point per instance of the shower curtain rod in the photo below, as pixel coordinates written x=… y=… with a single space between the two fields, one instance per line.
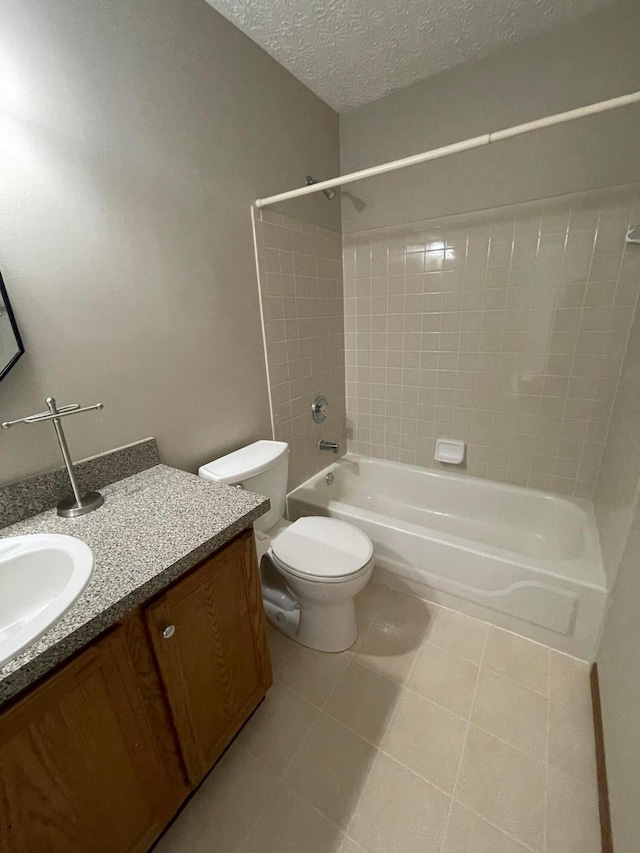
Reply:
x=457 y=147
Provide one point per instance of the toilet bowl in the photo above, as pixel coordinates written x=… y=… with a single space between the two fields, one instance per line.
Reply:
x=312 y=568
x=324 y=563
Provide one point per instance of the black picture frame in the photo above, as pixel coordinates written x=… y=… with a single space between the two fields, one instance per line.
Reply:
x=4 y=298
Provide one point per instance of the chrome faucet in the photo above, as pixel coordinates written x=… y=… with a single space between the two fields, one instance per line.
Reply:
x=328 y=445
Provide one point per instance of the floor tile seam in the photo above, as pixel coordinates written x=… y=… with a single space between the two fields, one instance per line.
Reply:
x=374 y=612
x=300 y=796
x=549 y=649
x=495 y=826
x=436 y=606
x=268 y=801
x=310 y=701
x=520 y=636
x=359 y=844
x=464 y=746
x=284 y=781
x=356 y=805
x=409 y=633
x=506 y=743
x=353 y=659
x=457 y=612
x=344 y=725
x=371 y=668
x=352 y=730
x=430 y=642
x=545 y=696
x=411 y=668
x=433 y=702
x=280 y=775
x=487 y=668
x=282 y=663
x=362 y=637
x=579 y=661
x=587 y=708
x=258 y=816
x=245 y=841
x=528 y=755
x=404 y=767
x=488 y=626
x=302 y=740
x=430 y=782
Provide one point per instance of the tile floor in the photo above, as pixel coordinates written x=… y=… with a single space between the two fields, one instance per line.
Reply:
x=436 y=733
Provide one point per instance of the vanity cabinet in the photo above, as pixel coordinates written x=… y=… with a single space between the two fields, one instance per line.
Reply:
x=99 y=756
x=87 y=759
x=208 y=635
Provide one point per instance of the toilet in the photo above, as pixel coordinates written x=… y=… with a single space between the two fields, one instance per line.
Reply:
x=311 y=568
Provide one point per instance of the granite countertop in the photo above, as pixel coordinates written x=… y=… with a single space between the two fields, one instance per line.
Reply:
x=153 y=527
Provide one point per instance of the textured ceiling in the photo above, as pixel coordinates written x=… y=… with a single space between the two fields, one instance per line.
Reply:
x=350 y=52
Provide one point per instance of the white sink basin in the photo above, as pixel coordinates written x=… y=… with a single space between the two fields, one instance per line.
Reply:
x=40 y=578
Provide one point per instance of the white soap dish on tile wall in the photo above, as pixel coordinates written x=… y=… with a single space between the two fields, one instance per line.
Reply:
x=449 y=450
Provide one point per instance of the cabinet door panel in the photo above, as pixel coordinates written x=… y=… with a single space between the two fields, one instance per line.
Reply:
x=215 y=665
x=81 y=768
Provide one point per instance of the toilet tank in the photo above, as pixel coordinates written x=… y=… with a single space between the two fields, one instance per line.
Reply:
x=260 y=467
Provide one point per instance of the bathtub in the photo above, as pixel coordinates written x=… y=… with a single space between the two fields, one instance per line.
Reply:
x=519 y=558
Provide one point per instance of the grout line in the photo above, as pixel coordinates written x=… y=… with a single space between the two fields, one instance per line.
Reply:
x=464 y=747
x=378 y=750
x=493 y=735
x=401 y=686
x=504 y=677
x=518 y=841
x=436 y=705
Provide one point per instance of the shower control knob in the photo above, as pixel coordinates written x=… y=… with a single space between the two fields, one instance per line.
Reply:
x=169 y=631
x=319 y=409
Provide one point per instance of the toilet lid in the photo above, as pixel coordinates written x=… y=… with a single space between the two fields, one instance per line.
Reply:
x=322 y=548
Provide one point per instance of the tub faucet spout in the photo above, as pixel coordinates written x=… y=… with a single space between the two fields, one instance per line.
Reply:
x=328 y=445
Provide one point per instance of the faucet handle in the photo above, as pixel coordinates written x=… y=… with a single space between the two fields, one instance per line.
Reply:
x=319 y=409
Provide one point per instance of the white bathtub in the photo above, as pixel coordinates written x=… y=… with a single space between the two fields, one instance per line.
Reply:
x=519 y=558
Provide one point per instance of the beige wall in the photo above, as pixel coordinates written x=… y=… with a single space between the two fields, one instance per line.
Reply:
x=570 y=67
x=618 y=513
x=300 y=275
x=505 y=329
x=133 y=137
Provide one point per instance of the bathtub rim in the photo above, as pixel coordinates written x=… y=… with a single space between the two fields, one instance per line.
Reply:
x=595 y=578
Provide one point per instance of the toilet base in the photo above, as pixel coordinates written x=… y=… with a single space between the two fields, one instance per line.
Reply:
x=319 y=616
x=328 y=626
x=325 y=627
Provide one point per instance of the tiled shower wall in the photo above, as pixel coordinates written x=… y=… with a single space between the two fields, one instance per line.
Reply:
x=617 y=493
x=300 y=279
x=506 y=329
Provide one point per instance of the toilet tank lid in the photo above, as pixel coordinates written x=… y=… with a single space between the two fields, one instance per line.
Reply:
x=244 y=463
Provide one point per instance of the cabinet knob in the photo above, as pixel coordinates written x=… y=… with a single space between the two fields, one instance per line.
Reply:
x=169 y=631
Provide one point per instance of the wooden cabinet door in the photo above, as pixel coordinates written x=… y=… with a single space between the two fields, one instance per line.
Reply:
x=87 y=759
x=208 y=633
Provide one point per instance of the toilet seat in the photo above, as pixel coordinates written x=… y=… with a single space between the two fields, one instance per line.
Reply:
x=322 y=549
